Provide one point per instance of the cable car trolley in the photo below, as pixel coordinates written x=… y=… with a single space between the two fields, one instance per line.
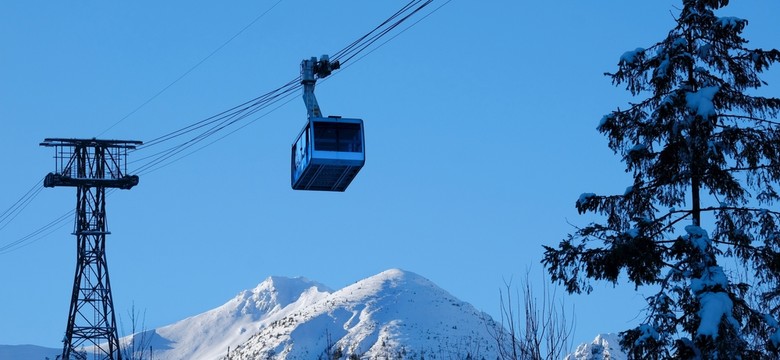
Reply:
x=329 y=151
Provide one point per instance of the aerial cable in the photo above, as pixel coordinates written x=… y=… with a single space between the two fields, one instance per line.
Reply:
x=353 y=44
x=349 y=52
x=218 y=117
x=229 y=117
x=177 y=149
x=221 y=123
x=289 y=99
x=379 y=31
x=39 y=234
x=397 y=34
x=16 y=208
x=9 y=214
x=191 y=69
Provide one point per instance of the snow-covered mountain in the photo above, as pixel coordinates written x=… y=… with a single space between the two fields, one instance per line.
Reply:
x=394 y=312
x=389 y=314
x=24 y=352
x=603 y=347
x=210 y=334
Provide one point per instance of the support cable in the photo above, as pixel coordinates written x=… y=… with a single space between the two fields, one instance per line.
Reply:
x=344 y=55
x=256 y=19
x=349 y=47
x=38 y=234
x=16 y=208
x=289 y=98
x=218 y=123
x=394 y=36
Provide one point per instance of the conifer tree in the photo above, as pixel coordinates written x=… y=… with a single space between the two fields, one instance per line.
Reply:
x=700 y=225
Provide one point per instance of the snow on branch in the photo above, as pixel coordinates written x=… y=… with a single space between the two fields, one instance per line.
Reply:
x=700 y=101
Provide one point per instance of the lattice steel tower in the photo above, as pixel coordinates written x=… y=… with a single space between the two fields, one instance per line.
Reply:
x=91 y=166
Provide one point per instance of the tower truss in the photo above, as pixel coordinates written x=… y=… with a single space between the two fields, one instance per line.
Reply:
x=91 y=166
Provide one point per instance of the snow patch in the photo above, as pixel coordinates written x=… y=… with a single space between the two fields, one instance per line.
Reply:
x=584 y=198
x=662 y=69
x=700 y=102
x=712 y=277
x=605 y=119
x=647 y=333
x=729 y=22
x=698 y=237
x=714 y=307
x=631 y=56
x=775 y=336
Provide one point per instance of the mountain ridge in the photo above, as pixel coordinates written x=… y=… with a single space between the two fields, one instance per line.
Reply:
x=23 y=352
x=393 y=313
x=210 y=334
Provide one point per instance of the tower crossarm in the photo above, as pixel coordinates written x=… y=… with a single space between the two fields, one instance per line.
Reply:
x=90 y=163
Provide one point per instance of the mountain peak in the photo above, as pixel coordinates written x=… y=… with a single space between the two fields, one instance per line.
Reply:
x=381 y=316
x=603 y=347
x=386 y=281
x=209 y=335
x=396 y=275
x=278 y=292
x=387 y=315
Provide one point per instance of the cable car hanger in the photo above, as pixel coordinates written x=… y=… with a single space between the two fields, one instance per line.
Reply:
x=311 y=70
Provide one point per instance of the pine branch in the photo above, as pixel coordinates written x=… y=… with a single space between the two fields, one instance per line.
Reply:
x=753 y=168
x=751 y=118
x=735 y=208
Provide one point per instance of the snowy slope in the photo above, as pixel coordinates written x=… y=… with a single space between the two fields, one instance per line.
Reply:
x=27 y=352
x=394 y=312
x=603 y=347
x=208 y=335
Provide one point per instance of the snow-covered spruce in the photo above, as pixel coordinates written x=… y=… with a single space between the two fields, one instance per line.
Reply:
x=700 y=145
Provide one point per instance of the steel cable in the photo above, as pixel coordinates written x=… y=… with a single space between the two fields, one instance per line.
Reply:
x=225 y=119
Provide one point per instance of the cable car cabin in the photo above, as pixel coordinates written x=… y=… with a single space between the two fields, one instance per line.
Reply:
x=337 y=154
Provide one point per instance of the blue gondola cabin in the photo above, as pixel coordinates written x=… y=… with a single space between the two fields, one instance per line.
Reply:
x=328 y=154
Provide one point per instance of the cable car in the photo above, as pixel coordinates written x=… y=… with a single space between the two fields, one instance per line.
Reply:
x=329 y=151
x=328 y=154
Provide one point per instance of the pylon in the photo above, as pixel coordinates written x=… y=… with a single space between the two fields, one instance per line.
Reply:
x=91 y=166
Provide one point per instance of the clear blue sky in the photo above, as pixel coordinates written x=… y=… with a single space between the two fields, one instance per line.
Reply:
x=480 y=131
